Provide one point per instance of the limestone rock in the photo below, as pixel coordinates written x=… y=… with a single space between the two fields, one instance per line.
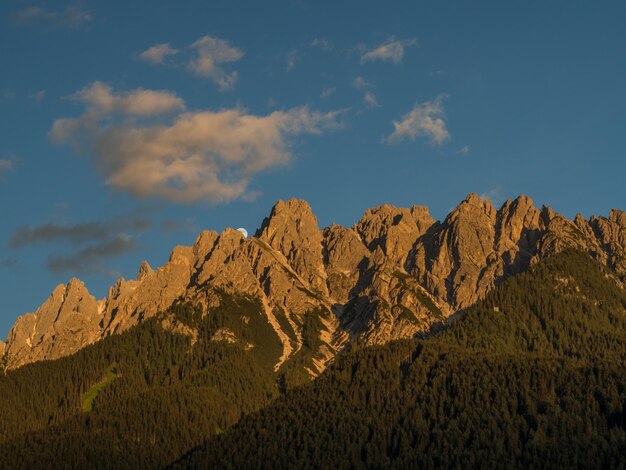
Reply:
x=395 y=274
x=66 y=322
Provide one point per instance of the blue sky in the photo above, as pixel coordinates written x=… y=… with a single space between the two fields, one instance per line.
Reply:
x=126 y=129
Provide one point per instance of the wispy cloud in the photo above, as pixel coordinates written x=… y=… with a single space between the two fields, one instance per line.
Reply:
x=211 y=54
x=292 y=57
x=76 y=233
x=322 y=43
x=197 y=156
x=38 y=96
x=7 y=263
x=5 y=165
x=424 y=120
x=72 y=16
x=173 y=225
x=494 y=195
x=361 y=84
x=90 y=244
x=327 y=91
x=157 y=53
x=90 y=260
x=370 y=100
x=391 y=51
x=465 y=150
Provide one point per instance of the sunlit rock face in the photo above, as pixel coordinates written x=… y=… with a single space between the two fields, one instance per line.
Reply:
x=394 y=274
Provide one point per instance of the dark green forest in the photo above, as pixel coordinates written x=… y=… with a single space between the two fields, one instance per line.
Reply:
x=532 y=376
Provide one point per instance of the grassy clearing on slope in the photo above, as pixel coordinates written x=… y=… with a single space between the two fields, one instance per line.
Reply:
x=87 y=398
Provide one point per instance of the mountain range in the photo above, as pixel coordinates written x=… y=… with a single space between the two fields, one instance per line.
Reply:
x=395 y=274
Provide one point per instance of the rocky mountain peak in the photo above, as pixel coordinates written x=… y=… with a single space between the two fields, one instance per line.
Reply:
x=393 y=274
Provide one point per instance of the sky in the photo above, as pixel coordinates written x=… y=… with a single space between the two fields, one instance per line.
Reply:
x=126 y=128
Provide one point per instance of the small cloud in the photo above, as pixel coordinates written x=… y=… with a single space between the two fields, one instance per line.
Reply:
x=424 y=120
x=157 y=54
x=38 y=96
x=361 y=84
x=437 y=73
x=7 y=263
x=494 y=195
x=72 y=17
x=272 y=103
x=5 y=165
x=211 y=53
x=90 y=260
x=6 y=94
x=465 y=150
x=322 y=43
x=392 y=51
x=293 y=56
x=370 y=100
x=172 y=225
x=327 y=91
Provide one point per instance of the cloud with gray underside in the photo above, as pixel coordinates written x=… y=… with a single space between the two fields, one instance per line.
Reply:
x=90 y=244
x=147 y=143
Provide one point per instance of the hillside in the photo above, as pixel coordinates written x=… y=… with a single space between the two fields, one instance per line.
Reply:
x=532 y=376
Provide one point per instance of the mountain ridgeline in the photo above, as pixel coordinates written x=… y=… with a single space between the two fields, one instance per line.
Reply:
x=394 y=274
x=533 y=375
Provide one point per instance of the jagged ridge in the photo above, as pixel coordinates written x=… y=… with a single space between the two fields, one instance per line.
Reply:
x=394 y=274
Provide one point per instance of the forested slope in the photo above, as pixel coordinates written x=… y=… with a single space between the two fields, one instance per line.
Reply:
x=533 y=375
x=154 y=392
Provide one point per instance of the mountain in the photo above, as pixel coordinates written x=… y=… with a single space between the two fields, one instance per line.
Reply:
x=394 y=274
x=532 y=376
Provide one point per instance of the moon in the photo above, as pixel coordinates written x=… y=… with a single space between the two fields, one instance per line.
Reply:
x=243 y=231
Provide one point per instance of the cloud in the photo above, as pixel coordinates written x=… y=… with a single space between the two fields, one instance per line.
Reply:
x=465 y=150
x=91 y=243
x=392 y=50
x=211 y=53
x=327 y=91
x=172 y=225
x=101 y=100
x=370 y=100
x=494 y=195
x=196 y=156
x=90 y=260
x=5 y=165
x=7 y=263
x=424 y=120
x=293 y=56
x=157 y=54
x=361 y=84
x=76 y=233
x=322 y=43
x=38 y=96
x=72 y=17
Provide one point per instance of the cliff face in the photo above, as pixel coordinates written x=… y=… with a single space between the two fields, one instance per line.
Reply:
x=392 y=275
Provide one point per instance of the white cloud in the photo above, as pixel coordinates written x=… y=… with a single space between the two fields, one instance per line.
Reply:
x=210 y=54
x=293 y=56
x=327 y=91
x=465 y=150
x=197 y=156
x=392 y=50
x=360 y=83
x=370 y=100
x=100 y=98
x=322 y=43
x=424 y=120
x=494 y=195
x=157 y=53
